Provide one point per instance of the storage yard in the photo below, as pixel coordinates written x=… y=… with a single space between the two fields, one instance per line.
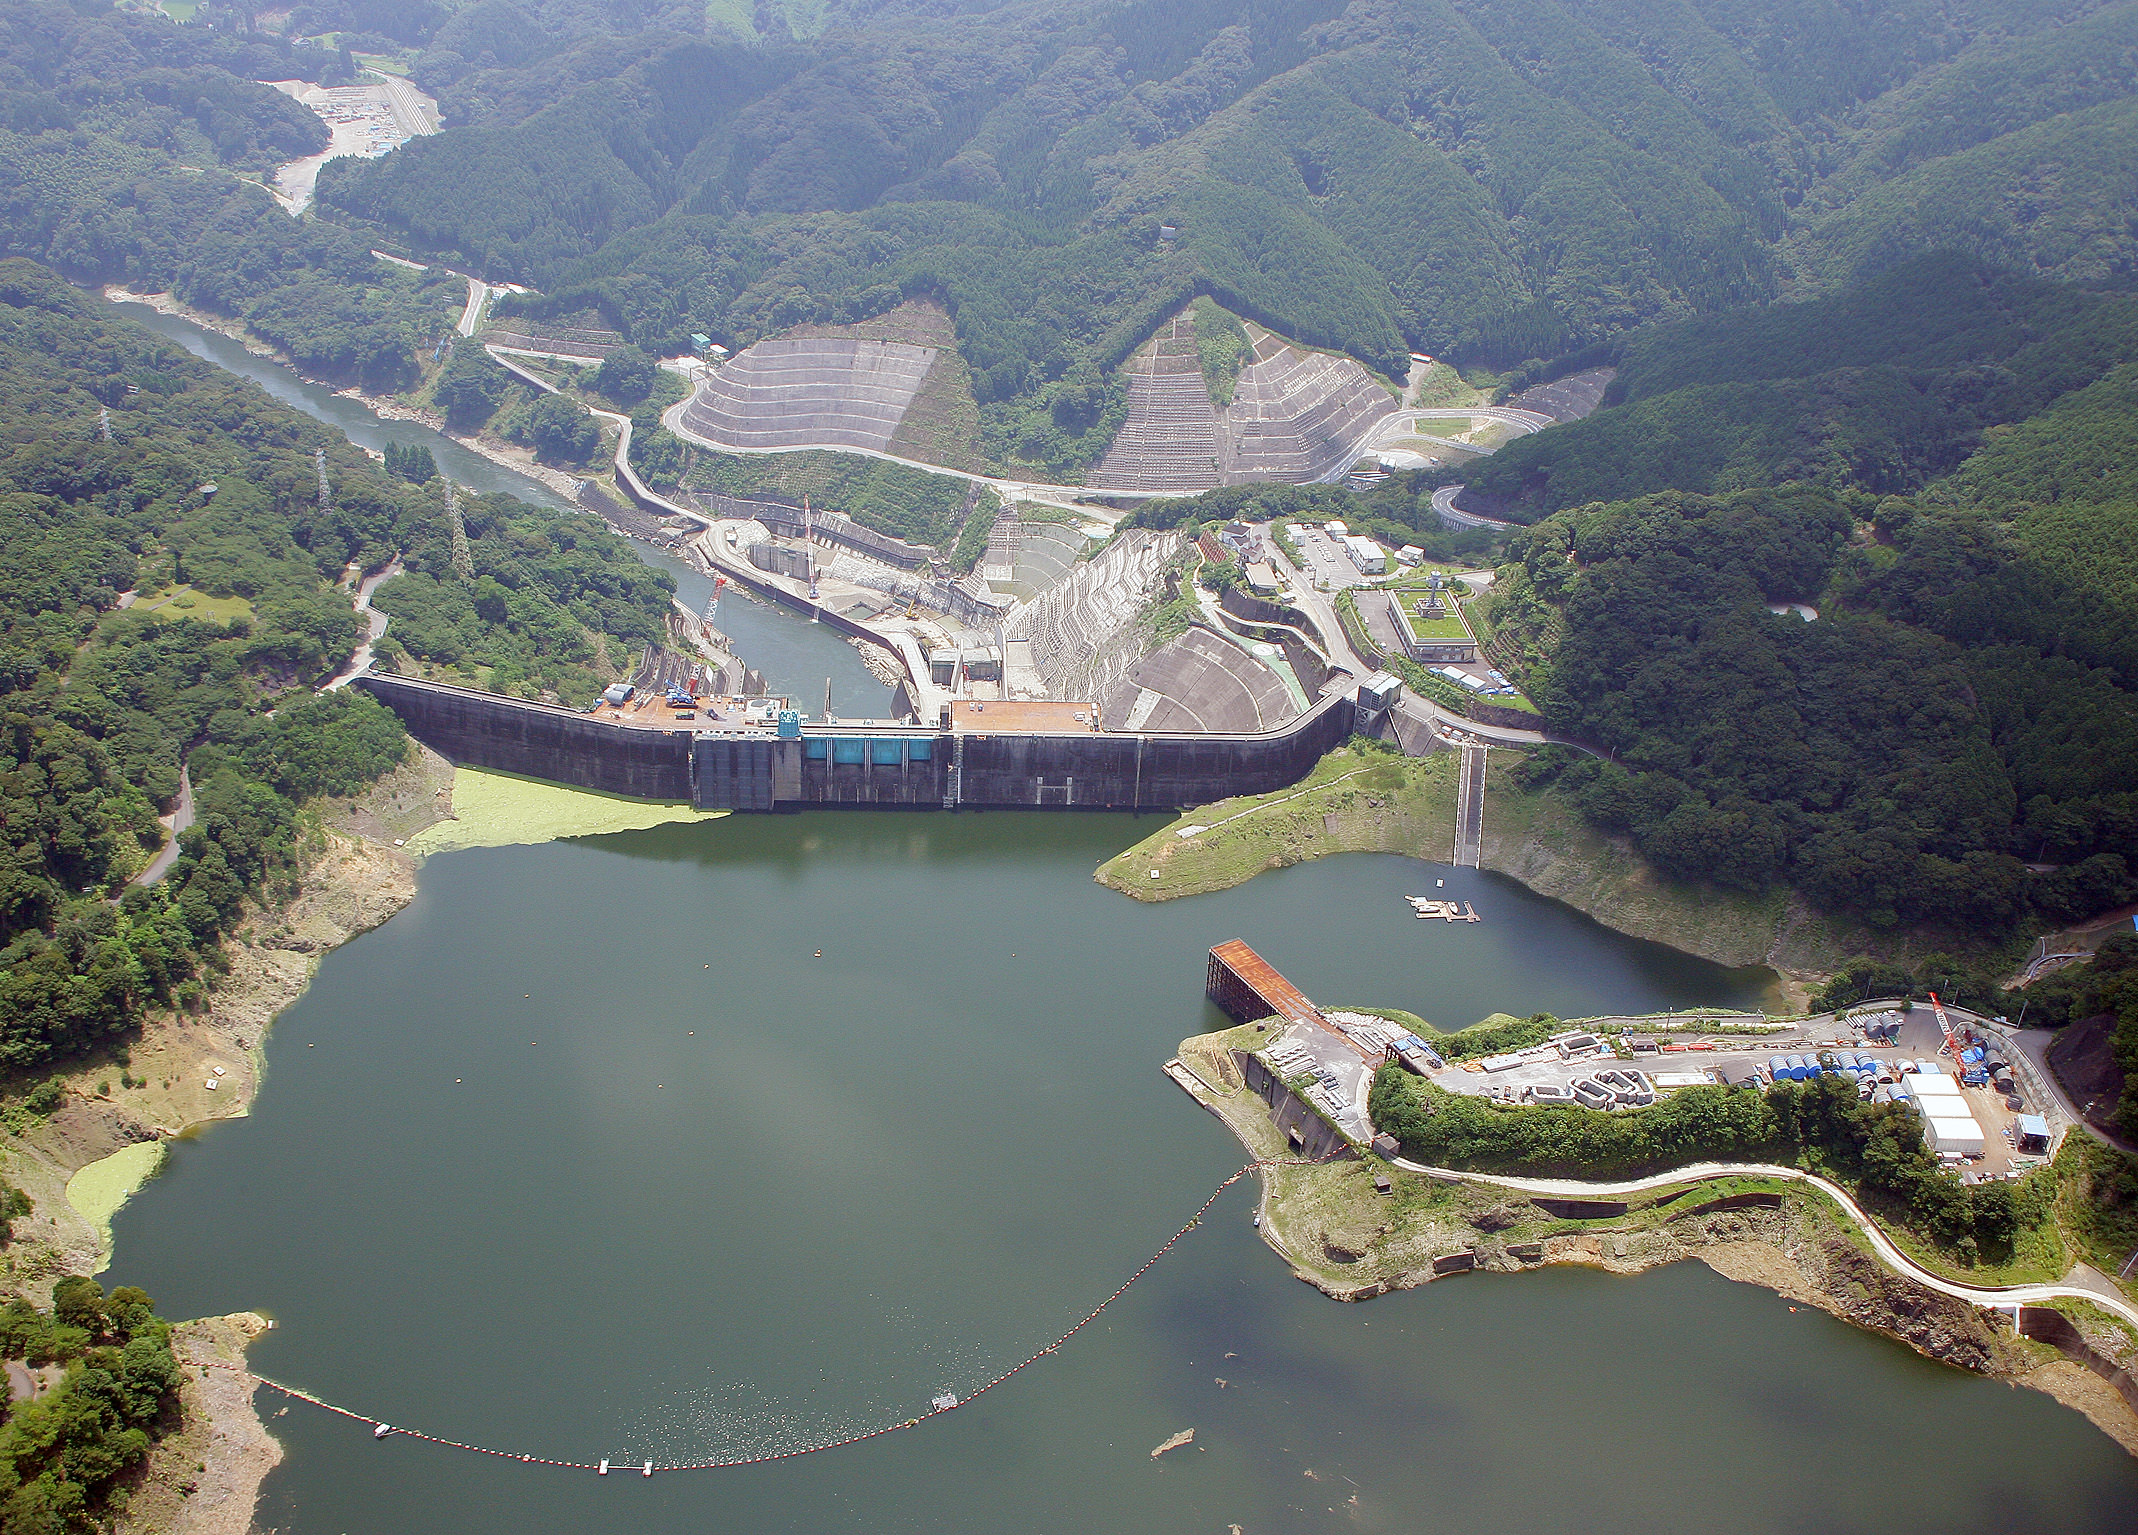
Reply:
x=1975 y=1111
x=1979 y=1115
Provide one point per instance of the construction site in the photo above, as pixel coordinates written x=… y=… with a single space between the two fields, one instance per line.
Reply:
x=1054 y=658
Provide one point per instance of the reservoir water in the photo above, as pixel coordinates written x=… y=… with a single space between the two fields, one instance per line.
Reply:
x=588 y=1154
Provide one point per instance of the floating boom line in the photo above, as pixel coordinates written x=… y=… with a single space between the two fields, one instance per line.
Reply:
x=947 y=1402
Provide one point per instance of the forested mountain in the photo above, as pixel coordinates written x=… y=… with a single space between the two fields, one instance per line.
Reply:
x=127 y=151
x=128 y=467
x=1883 y=387
x=1938 y=463
x=1494 y=182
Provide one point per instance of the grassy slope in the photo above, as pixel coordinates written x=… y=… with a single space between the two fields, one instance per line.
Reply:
x=1376 y=802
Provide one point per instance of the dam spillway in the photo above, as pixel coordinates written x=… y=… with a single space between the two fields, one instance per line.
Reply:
x=902 y=767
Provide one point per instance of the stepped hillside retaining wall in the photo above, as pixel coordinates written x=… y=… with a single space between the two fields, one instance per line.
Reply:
x=892 y=767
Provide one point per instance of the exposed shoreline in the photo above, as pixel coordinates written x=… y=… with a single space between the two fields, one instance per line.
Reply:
x=204 y=1478
x=1358 y=801
x=1352 y=1241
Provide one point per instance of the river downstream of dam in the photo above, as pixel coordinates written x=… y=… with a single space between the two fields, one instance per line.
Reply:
x=588 y=1153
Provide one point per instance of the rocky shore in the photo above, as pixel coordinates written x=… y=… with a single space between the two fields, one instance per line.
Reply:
x=1374 y=801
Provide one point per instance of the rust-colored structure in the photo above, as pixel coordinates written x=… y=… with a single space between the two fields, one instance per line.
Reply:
x=1247 y=986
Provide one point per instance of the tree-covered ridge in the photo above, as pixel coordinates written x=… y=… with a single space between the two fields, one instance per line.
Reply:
x=1495 y=181
x=121 y=143
x=127 y=466
x=552 y=605
x=1884 y=387
x=1952 y=716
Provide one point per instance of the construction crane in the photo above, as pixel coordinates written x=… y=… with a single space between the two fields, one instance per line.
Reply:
x=1952 y=1045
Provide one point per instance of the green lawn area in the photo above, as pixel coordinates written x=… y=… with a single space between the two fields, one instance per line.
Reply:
x=1442 y=385
x=189 y=602
x=384 y=63
x=1432 y=449
x=1448 y=628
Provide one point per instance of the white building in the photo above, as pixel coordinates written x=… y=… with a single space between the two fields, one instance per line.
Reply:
x=1370 y=557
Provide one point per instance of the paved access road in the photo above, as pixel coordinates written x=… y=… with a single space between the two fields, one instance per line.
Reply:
x=1888 y=1254
x=1444 y=505
x=179 y=819
x=361 y=661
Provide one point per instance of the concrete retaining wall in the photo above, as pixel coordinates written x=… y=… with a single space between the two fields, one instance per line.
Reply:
x=2047 y=1325
x=510 y=735
x=902 y=768
x=1311 y=1136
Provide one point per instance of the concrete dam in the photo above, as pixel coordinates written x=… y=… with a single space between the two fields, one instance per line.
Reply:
x=902 y=767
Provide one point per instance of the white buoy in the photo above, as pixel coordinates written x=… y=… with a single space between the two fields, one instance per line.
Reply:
x=646 y=1469
x=382 y=1431
x=604 y=1470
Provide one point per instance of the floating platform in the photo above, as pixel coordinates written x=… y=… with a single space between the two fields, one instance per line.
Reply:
x=1446 y=911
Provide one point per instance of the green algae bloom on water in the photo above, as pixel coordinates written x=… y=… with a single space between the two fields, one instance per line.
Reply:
x=500 y=810
x=97 y=1191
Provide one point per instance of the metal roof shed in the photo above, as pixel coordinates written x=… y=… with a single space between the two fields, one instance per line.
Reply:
x=1957 y=1135
x=2033 y=1132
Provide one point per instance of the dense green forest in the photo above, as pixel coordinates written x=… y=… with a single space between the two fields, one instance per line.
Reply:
x=1883 y=387
x=62 y=1454
x=128 y=467
x=130 y=150
x=1495 y=182
x=1952 y=715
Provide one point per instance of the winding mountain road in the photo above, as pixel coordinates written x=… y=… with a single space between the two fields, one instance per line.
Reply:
x=1981 y=1295
x=360 y=662
x=176 y=822
x=1444 y=507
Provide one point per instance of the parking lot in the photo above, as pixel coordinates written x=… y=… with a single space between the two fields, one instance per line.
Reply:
x=1340 y=1063
x=1327 y=565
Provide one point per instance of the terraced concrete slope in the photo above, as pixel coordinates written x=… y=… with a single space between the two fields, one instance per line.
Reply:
x=804 y=391
x=1296 y=416
x=1170 y=440
x=1082 y=630
x=942 y=423
x=1198 y=681
x=1028 y=558
x=1299 y=416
